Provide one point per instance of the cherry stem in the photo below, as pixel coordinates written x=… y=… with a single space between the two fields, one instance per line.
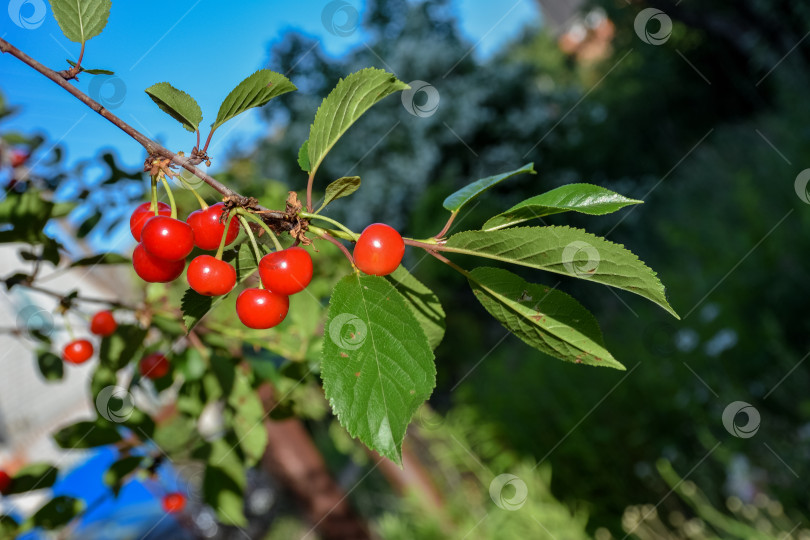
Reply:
x=78 y=66
x=427 y=246
x=329 y=238
x=352 y=235
x=450 y=263
x=309 y=190
x=188 y=186
x=256 y=252
x=68 y=326
x=171 y=196
x=197 y=131
x=153 y=207
x=207 y=141
x=221 y=248
x=264 y=226
x=446 y=227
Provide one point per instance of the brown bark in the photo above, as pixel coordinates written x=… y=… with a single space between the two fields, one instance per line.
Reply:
x=293 y=459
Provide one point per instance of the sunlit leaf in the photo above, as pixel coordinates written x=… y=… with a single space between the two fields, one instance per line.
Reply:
x=177 y=104
x=377 y=366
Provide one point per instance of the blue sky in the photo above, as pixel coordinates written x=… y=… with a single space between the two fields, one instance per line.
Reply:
x=148 y=41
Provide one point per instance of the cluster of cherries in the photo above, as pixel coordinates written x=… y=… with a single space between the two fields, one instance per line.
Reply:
x=165 y=242
x=103 y=324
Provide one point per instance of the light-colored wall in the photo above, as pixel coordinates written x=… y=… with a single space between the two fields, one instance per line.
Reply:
x=31 y=408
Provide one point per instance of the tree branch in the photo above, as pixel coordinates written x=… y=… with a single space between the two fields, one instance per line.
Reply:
x=152 y=148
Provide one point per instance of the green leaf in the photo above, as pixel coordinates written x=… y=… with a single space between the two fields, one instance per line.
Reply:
x=423 y=302
x=377 y=367
x=568 y=251
x=57 y=512
x=544 y=318
x=27 y=213
x=350 y=98
x=177 y=104
x=8 y=527
x=195 y=306
x=87 y=226
x=224 y=483
x=118 y=471
x=117 y=350
x=104 y=376
x=342 y=187
x=50 y=365
x=49 y=252
x=190 y=399
x=101 y=258
x=191 y=364
x=81 y=20
x=457 y=200
x=90 y=71
x=247 y=420
x=254 y=91
x=303 y=156
x=582 y=198
x=62 y=209
x=139 y=422
x=86 y=434
x=168 y=325
x=31 y=477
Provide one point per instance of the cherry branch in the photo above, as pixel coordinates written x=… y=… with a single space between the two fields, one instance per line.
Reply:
x=61 y=297
x=152 y=148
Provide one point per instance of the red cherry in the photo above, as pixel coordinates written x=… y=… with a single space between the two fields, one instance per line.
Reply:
x=208 y=228
x=261 y=309
x=154 y=366
x=103 y=324
x=78 y=351
x=211 y=277
x=288 y=271
x=174 y=502
x=5 y=482
x=379 y=250
x=154 y=269
x=142 y=214
x=18 y=158
x=167 y=238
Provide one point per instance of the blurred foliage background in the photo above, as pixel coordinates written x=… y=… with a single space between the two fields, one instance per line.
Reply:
x=711 y=129
x=711 y=134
